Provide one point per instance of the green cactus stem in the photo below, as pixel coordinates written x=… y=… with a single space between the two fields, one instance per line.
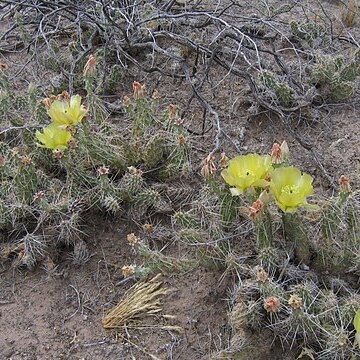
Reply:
x=295 y=234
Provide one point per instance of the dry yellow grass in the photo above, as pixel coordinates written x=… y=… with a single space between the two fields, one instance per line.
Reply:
x=141 y=299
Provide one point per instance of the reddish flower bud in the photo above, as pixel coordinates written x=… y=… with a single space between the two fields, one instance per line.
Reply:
x=209 y=167
x=344 y=183
x=256 y=210
x=103 y=170
x=224 y=161
x=279 y=153
x=172 y=111
x=182 y=140
x=39 y=196
x=272 y=304
x=90 y=66
x=139 y=90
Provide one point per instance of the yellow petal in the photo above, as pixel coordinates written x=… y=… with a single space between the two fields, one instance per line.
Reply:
x=76 y=111
x=306 y=184
x=57 y=112
x=75 y=102
x=41 y=137
x=247 y=171
x=53 y=137
x=67 y=112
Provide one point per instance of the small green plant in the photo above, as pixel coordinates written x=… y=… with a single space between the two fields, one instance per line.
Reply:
x=279 y=90
x=335 y=77
x=80 y=159
x=289 y=188
x=308 y=32
x=340 y=229
x=300 y=314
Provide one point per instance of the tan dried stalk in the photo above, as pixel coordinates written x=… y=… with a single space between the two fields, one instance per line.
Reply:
x=141 y=299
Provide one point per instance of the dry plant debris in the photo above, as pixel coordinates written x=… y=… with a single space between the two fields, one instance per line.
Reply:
x=141 y=299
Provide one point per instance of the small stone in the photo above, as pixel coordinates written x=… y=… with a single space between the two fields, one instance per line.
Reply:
x=8 y=353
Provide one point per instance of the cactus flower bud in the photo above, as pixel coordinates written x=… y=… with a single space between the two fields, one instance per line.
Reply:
x=103 y=170
x=132 y=239
x=90 y=67
x=272 y=304
x=344 y=183
x=279 y=153
x=209 y=167
x=295 y=302
x=139 y=90
x=128 y=270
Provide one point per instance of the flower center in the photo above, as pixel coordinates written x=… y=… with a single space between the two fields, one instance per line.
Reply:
x=289 y=189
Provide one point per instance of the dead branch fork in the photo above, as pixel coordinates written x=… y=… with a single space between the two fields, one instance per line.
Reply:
x=242 y=41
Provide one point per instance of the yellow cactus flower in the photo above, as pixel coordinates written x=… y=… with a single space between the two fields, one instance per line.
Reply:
x=53 y=137
x=246 y=171
x=67 y=112
x=357 y=328
x=290 y=188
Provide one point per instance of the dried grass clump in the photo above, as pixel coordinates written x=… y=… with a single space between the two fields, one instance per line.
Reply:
x=141 y=299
